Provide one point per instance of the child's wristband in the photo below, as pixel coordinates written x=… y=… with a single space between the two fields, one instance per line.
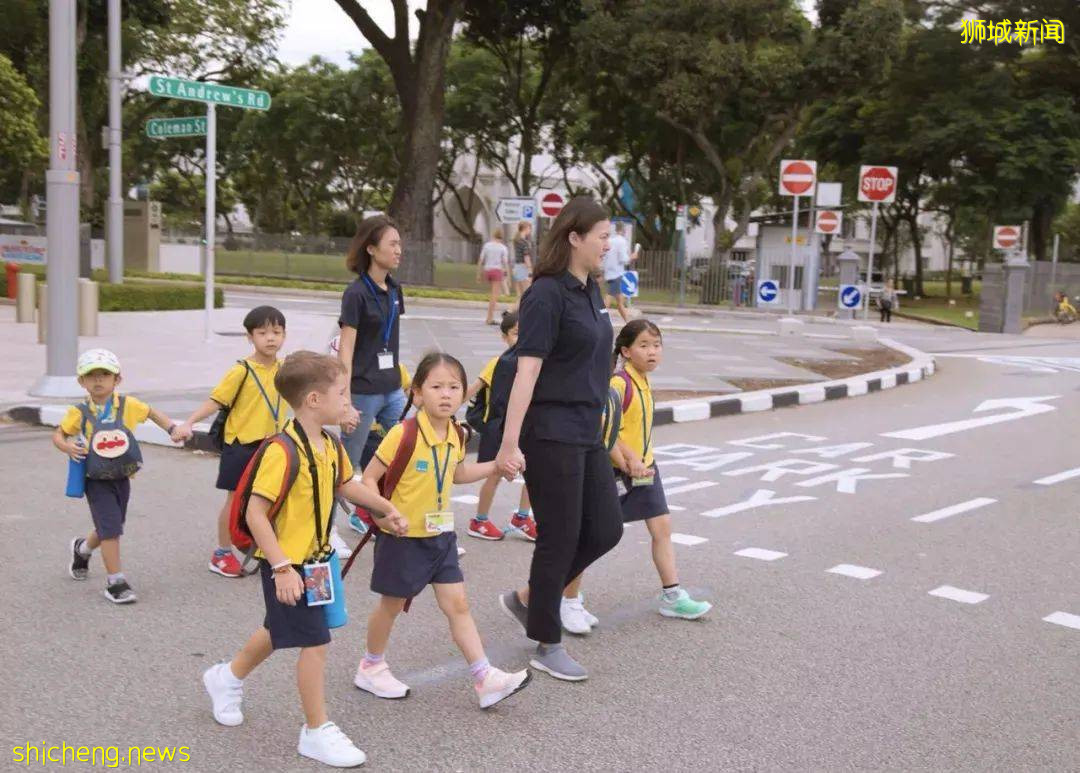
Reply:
x=281 y=565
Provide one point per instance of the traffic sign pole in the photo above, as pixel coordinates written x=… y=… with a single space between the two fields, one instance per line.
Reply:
x=211 y=210
x=116 y=196
x=870 y=259
x=794 y=245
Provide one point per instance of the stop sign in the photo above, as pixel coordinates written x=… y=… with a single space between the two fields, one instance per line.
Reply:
x=797 y=176
x=828 y=222
x=1006 y=236
x=877 y=183
x=552 y=204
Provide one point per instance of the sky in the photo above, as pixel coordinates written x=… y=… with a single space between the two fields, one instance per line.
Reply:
x=321 y=27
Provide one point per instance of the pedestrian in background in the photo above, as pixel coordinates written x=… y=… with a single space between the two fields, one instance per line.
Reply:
x=493 y=266
x=521 y=271
x=887 y=301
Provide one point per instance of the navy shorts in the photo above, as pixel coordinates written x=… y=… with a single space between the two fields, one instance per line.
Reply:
x=296 y=626
x=642 y=502
x=614 y=286
x=404 y=566
x=490 y=442
x=234 y=460
x=108 y=500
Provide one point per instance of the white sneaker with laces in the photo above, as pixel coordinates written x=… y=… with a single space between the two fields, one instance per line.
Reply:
x=226 y=695
x=328 y=745
x=498 y=685
x=572 y=614
x=339 y=545
x=590 y=618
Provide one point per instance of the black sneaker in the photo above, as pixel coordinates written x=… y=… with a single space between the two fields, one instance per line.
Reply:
x=80 y=564
x=120 y=593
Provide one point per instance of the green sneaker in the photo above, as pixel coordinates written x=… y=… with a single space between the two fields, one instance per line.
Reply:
x=683 y=606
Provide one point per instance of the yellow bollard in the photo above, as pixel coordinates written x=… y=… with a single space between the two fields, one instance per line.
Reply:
x=88 y=307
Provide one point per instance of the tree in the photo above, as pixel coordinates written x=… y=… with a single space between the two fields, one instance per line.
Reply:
x=419 y=77
x=21 y=143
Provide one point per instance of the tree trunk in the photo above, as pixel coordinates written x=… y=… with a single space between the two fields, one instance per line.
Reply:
x=1041 y=225
x=916 y=245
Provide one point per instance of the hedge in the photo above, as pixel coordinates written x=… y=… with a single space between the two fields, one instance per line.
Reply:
x=139 y=297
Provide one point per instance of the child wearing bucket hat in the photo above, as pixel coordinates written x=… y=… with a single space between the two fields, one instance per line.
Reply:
x=100 y=431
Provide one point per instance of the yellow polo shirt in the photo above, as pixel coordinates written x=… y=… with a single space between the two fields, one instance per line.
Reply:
x=250 y=419
x=487 y=375
x=416 y=494
x=637 y=420
x=135 y=413
x=295 y=522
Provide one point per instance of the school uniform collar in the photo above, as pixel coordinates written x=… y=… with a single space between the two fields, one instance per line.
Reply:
x=639 y=378
x=427 y=430
x=113 y=402
x=572 y=282
x=318 y=443
x=391 y=283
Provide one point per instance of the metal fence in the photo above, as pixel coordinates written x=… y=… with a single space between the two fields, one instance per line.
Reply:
x=703 y=279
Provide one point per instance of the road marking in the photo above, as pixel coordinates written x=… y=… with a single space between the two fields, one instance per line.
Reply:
x=759 y=498
x=466 y=499
x=1022 y=407
x=858 y=572
x=956 y=594
x=1065 y=619
x=1050 y=480
x=946 y=512
x=676 y=508
x=760 y=553
x=675 y=480
x=687 y=539
x=691 y=487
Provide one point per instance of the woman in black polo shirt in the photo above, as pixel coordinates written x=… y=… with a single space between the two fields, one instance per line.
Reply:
x=554 y=415
x=371 y=309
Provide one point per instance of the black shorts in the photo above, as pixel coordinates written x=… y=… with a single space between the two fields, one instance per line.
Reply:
x=234 y=460
x=489 y=446
x=296 y=626
x=108 y=500
x=404 y=566
x=642 y=502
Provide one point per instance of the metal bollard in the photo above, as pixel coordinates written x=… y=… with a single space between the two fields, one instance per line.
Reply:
x=88 y=307
x=24 y=297
x=43 y=313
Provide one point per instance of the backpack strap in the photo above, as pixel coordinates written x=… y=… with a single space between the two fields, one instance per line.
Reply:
x=628 y=389
x=292 y=470
x=612 y=419
x=247 y=370
x=400 y=462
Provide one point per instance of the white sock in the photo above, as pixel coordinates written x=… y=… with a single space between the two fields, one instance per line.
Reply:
x=672 y=593
x=115 y=578
x=230 y=678
x=84 y=550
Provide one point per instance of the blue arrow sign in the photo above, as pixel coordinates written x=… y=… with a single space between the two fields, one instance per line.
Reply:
x=768 y=291
x=850 y=297
x=629 y=285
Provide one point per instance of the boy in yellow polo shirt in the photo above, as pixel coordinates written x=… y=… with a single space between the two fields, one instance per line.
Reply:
x=256 y=412
x=425 y=551
x=316 y=388
x=99 y=432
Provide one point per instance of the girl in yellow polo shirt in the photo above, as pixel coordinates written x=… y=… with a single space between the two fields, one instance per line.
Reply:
x=640 y=347
x=426 y=554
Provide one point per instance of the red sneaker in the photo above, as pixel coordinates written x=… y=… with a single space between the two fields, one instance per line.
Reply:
x=484 y=530
x=226 y=566
x=525 y=525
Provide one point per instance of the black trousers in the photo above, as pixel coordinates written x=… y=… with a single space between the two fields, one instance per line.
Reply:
x=578 y=519
x=886 y=313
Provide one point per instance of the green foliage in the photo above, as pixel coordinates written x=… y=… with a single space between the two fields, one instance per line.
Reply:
x=21 y=143
x=148 y=297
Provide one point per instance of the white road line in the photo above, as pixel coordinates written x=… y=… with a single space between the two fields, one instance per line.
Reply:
x=1050 y=480
x=675 y=480
x=858 y=572
x=1065 y=619
x=946 y=512
x=956 y=594
x=687 y=539
x=466 y=499
x=760 y=553
x=676 y=508
x=691 y=487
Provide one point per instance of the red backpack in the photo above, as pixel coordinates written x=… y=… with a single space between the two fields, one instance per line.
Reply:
x=239 y=532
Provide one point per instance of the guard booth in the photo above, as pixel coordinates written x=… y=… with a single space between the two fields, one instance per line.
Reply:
x=774 y=262
x=142 y=235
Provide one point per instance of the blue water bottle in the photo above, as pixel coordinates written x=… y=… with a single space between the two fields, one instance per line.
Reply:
x=336 y=613
x=76 y=479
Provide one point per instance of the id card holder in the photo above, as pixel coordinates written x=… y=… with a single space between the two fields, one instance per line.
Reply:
x=386 y=360
x=318 y=584
x=439 y=523
x=639 y=482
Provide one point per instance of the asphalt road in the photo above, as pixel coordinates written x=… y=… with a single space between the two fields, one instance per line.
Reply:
x=942 y=661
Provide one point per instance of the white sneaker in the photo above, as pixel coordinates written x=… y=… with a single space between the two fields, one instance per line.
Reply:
x=226 y=694
x=572 y=614
x=590 y=618
x=339 y=545
x=378 y=681
x=461 y=551
x=499 y=684
x=330 y=746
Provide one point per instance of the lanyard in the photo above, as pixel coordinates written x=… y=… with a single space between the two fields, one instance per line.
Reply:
x=391 y=310
x=440 y=474
x=646 y=422
x=105 y=412
x=320 y=547
x=274 y=411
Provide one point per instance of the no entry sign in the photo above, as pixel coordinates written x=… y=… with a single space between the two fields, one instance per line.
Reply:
x=552 y=204
x=1006 y=237
x=828 y=221
x=797 y=177
x=877 y=184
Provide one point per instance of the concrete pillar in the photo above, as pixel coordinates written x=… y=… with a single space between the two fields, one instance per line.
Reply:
x=1015 y=276
x=43 y=312
x=25 y=297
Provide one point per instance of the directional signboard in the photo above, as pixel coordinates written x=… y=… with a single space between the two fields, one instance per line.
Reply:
x=768 y=291
x=191 y=126
x=849 y=297
x=629 y=284
x=514 y=209
x=211 y=93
